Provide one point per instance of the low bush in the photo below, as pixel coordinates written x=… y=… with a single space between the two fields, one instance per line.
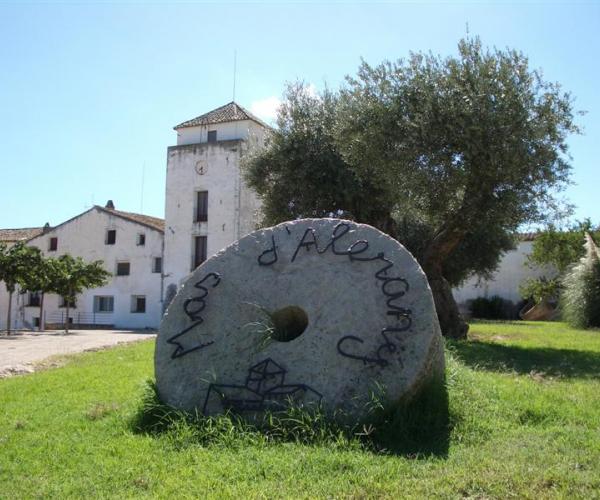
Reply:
x=493 y=308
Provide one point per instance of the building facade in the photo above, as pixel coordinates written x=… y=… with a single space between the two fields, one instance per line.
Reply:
x=130 y=246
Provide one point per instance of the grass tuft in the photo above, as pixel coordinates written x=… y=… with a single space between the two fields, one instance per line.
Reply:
x=419 y=427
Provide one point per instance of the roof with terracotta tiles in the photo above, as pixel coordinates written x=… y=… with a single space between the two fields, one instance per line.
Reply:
x=22 y=234
x=145 y=220
x=230 y=112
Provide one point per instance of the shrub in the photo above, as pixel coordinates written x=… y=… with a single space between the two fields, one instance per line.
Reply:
x=493 y=308
x=580 y=300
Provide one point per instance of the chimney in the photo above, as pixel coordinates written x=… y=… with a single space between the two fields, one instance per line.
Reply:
x=46 y=227
x=110 y=205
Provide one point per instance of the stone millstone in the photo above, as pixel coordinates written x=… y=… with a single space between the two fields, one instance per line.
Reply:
x=313 y=311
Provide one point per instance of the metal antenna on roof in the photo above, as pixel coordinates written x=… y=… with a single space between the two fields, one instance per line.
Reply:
x=234 y=72
x=142 y=193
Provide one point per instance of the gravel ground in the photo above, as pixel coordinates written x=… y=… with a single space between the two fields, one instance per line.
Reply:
x=22 y=351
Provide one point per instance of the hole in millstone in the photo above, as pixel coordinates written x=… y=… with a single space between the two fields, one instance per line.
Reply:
x=288 y=323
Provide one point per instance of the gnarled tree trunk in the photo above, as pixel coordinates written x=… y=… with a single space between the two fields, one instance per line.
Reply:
x=451 y=322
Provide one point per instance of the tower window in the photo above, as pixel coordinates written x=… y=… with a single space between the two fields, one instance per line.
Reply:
x=212 y=136
x=199 y=251
x=201 y=206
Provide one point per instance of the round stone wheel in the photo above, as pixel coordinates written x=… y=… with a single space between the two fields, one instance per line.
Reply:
x=309 y=312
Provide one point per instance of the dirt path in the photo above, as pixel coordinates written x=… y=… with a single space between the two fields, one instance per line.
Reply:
x=20 y=352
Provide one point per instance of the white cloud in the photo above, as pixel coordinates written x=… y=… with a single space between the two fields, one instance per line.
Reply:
x=266 y=109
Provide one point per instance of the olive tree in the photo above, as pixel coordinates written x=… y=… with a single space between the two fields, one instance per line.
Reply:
x=449 y=155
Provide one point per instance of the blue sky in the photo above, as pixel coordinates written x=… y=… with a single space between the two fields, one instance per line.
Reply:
x=89 y=92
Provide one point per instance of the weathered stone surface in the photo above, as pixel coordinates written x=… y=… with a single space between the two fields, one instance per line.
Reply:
x=314 y=310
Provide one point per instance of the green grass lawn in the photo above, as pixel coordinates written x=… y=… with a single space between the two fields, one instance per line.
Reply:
x=524 y=421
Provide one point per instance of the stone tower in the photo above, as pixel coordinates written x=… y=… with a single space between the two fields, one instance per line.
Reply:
x=208 y=205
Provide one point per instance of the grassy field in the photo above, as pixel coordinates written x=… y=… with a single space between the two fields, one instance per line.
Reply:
x=523 y=421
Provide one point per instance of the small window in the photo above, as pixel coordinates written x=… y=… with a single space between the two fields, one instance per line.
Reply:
x=34 y=299
x=199 y=251
x=111 y=236
x=201 y=206
x=212 y=136
x=123 y=268
x=36 y=322
x=157 y=265
x=53 y=246
x=138 y=303
x=141 y=239
x=104 y=303
x=72 y=304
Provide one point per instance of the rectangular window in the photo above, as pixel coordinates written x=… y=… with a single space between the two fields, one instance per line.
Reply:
x=111 y=236
x=212 y=136
x=199 y=251
x=201 y=206
x=138 y=303
x=141 y=239
x=71 y=303
x=104 y=303
x=157 y=265
x=36 y=322
x=123 y=268
x=34 y=299
x=53 y=246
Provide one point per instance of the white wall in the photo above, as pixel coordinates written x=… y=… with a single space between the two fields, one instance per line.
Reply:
x=84 y=237
x=513 y=269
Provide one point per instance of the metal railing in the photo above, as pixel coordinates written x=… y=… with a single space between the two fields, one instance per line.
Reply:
x=79 y=318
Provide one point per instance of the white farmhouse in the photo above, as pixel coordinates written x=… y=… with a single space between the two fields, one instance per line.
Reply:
x=208 y=205
x=130 y=245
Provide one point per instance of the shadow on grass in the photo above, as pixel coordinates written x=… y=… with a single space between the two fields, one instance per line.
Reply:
x=551 y=362
x=418 y=429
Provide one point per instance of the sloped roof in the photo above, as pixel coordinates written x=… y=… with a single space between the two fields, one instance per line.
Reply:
x=528 y=236
x=145 y=220
x=22 y=234
x=230 y=112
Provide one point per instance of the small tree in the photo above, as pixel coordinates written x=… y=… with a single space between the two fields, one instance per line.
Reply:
x=17 y=264
x=41 y=278
x=72 y=275
x=581 y=296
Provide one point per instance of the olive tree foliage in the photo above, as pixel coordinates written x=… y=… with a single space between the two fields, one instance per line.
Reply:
x=448 y=155
x=301 y=173
x=18 y=263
